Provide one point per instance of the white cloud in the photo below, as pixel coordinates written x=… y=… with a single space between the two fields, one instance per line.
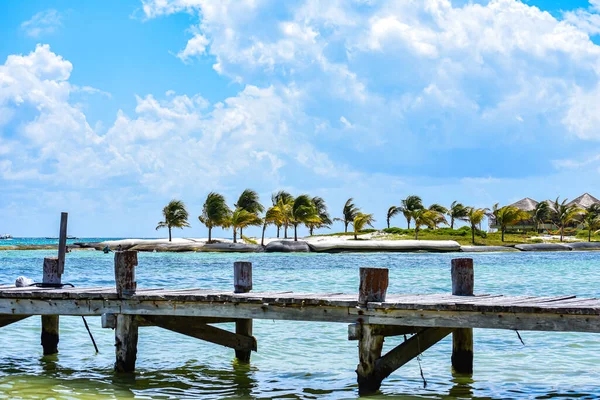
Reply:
x=345 y=122
x=195 y=47
x=42 y=23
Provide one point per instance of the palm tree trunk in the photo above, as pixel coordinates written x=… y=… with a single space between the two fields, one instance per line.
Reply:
x=345 y=227
x=169 y=234
x=407 y=223
x=589 y=235
x=295 y=232
x=355 y=236
x=209 y=234
x=503 y=234
x=473 y=233
x=310 y=230
x=234 y=235
x=241 y=233
x=388 y=223
x=262 y=239
x=285 y=231
x=561 y=233
x=278 y=228
x=416 y=233
x=451 y=222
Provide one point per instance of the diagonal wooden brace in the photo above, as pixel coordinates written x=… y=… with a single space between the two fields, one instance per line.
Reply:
x=10 y=319
x=197 y=328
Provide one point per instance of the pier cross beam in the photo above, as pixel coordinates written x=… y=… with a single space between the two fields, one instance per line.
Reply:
x=372 y=288
x=50 y=323
x=463 y=281
x=126 y=329
x=242 y=283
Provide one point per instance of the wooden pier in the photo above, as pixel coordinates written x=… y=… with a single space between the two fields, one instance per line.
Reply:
x=372 y=314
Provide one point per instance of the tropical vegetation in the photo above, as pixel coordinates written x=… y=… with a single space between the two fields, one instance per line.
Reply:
x=360 y=221
x=175 y=215
x=215 y=213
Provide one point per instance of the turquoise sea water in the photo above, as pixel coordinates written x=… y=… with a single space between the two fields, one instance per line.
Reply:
x=300 y=359
x=43 y=241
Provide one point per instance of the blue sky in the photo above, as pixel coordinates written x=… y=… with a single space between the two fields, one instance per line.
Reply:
x=108 y=110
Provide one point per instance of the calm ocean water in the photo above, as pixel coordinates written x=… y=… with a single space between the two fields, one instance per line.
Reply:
x=297 y=359
x=46 y=241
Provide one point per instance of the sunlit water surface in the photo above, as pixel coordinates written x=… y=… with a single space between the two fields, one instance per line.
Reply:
x=300 y=359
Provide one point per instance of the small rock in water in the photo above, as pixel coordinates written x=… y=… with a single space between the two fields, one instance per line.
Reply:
x=23 y=281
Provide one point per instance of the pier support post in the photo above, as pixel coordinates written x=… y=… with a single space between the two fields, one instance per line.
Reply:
x=373 y=288
x=242 y=283
x=463 y=281
x=126 y=330
x=50 y=322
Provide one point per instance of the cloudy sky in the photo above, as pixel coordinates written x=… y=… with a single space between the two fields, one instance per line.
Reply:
x=110 y=109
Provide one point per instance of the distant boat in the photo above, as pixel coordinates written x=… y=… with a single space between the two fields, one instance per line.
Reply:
x=5 y=236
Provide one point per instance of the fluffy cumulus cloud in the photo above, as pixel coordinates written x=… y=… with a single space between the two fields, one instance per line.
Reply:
x=42 y=23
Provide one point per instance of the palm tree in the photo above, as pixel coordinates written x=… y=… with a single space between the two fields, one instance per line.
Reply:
x=360 y=221
x=591 y=219
x=303 y=212
x=540 y=214
x=439 y=217
x=391 y=213
x=456 y=211
x=240 y=219
x=176 y=216
x=349 y=213
x=324 y=218
x=283 y=197
x=271 y=217
x=508 y=215
x=424 y=217
x=410 y=204
x=250 y=202
x=564 y=214
x=474 y=216
x=215 y=212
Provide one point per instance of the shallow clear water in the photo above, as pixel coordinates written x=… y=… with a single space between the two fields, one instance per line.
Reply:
x=28 y=241
x=299 y=359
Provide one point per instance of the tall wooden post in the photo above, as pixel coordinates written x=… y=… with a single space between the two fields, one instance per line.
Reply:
x=463 y=281
x=62 y=242
x=126 y=330
x=242 y=283
x=50 y=322
x=373 y=288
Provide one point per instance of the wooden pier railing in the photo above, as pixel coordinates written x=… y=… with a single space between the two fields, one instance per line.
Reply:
x=372 y=314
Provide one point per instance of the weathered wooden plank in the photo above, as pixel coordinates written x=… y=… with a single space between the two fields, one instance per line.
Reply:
x=242 y=283
x=126 y=338
x=408 y=350
x=62 y=243
x=463 y=283
x=50 y=323
x=355 y=330
x=11 y=319
x=196 y=328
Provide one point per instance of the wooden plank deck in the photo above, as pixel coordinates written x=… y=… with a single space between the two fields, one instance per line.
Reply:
x=557 y=313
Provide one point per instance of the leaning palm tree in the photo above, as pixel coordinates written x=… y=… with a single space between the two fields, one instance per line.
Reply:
x=281 y=197
x=240 y=219
x=508 y=215
x=271 y=217
x=410 y=204
x=360 y=221
x=591 y=219
x=349 y=213
x=391 y=213
x=424 y=217
x=456 y=211
x=474 y=216
x=176 y=216
x=250 y=202
x=564 y=215
x=540 y=214
x=439 y=217
x=303 y=212
x=324 y=218
x=215 y=212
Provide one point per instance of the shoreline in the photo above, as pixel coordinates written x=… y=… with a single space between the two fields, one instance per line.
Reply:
x=314 y=244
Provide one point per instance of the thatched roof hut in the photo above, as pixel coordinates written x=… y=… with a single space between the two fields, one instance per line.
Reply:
x=584 y=201
x=525 y=204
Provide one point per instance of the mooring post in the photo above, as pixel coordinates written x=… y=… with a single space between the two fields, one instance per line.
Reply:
x=50 y=322
x=242 y=283
x=373 y=288
x=126 y=330
x=463 y=281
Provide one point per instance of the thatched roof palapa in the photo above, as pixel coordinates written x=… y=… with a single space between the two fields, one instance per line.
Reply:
x=525 y=204
x=584 y=201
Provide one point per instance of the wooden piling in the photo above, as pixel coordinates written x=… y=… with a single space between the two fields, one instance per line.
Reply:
x=242 y=283
x=50 y=323
x=372 y=288
x=463 y=281
x=62 y=242
x=126 y=329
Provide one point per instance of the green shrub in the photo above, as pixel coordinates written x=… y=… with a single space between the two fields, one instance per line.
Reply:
x=536 y=240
